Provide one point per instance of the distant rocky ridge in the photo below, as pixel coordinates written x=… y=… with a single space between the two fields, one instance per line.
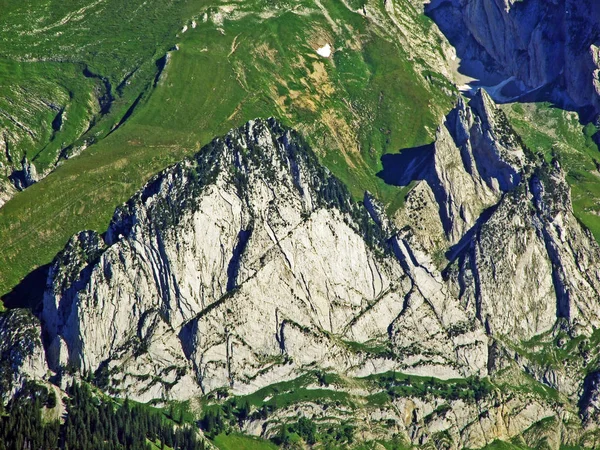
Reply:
x=538 y=42
x=249 y=264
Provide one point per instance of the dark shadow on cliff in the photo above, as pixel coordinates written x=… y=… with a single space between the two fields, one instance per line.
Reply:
x=415 y=164
x=463 y=245
x=410 y=164
x=589 y=391
x=234 y=263
x=477 y=64
x=474 y=61
x=29 y=292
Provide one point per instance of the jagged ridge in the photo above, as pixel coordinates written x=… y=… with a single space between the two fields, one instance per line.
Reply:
x=249 y=265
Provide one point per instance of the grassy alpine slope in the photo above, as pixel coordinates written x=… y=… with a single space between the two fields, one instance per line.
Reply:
x=69 y=72
x=234 y=62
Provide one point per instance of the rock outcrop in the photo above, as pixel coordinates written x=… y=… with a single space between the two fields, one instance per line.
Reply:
x=239 y=268
x=519 y=257
x=25 y=177
x=531 y=263
x=475 y=159
x=22 y=355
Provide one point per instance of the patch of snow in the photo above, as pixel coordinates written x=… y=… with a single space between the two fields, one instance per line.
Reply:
x=496 y=91
x=325 y=51
x=193 y=24
x=184 y=29
x=217 y=18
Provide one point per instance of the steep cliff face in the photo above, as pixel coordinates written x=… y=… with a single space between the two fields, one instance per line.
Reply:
x=538 y=42
x=249 y=265
x=475 y=159
x=531 y=263
x=520 y=257
x=520 y=261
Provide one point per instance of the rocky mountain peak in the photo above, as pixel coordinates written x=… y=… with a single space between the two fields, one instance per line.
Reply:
x=476 y=158
x=193 y=238
x=247 y=290
x=249 y=264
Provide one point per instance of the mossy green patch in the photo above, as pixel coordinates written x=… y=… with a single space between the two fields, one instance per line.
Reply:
x=236 y=441
x=502 y=445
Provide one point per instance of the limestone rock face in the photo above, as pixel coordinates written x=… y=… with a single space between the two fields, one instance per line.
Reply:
x=530 y=263
x=475 y=159
x=520 y=263
x=21 y=352
x=519 y=259
x=239 y=268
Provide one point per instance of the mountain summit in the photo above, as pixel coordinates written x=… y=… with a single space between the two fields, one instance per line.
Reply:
x=249 y=265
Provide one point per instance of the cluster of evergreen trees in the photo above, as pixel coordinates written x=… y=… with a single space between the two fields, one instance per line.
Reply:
x=21 y=425
x=473 y=389
x=89 y=425
x=220 y=418
x=305 y=428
